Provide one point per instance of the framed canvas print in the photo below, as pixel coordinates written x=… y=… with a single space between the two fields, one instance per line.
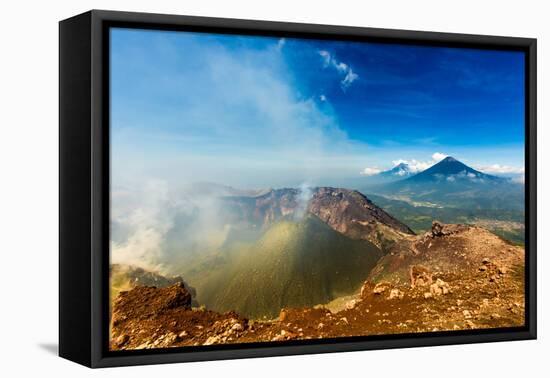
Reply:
x=234 y=188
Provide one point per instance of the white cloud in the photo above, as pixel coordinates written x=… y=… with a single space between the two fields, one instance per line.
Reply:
x=138 y=216
x=326 y=57
x=350 y=78
x=438 y=156
x=281 y=44
x=501 y=169
x=154 y=225
x=401 y=172
x=264 y=116
x=370 y=171
x=414 y=165
x=341 y=67
x=417 y=165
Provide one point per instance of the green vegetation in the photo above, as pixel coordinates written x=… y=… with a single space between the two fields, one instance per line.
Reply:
x=420 y=218
x=294 y=264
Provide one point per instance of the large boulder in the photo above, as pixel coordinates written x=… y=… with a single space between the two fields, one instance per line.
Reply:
x=145 y=301
x=439 y=229
x=124 y=276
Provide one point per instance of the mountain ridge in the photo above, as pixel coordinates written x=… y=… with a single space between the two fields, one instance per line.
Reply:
x=347 y=211
x=451 y=167
x=453 y=184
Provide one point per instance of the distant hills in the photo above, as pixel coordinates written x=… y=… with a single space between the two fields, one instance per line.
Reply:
x=451 y=183
x=450 y=169
x=453 y=192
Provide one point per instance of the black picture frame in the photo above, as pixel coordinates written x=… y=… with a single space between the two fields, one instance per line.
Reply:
x=84 y=187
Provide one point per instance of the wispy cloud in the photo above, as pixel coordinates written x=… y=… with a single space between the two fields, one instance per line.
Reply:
x=343 y=69
x=139 y=225
x=154 y=224
x=438 y=156
x=414 y=165
x=295 y=135
x=326 y=57
x=421 y=165
x=370 y=171
x=500 y=169
x=280 y=44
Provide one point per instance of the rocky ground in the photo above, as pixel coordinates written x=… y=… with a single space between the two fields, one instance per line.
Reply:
x=452 y=278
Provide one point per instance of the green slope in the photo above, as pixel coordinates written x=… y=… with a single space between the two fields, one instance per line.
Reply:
x=294 y=264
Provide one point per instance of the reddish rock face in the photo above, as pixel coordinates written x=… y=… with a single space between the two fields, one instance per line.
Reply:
x=145 y=301
x=347 y=210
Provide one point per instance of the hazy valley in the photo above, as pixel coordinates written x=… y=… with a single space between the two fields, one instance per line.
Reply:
x=451 y=192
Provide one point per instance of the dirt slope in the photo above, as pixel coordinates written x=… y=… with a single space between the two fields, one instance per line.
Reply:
x=469 y=279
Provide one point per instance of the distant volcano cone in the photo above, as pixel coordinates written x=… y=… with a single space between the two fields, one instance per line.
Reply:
x=454 y=185
x=401 y=170
x=450 y=167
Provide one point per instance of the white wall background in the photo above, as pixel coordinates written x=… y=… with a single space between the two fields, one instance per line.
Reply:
x=29 y=188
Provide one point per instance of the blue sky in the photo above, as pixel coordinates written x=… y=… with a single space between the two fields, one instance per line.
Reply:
x=258 y=111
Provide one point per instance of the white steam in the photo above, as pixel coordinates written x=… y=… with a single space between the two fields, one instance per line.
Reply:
x=304 y=195
x=139 y=223
x=155 y=228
